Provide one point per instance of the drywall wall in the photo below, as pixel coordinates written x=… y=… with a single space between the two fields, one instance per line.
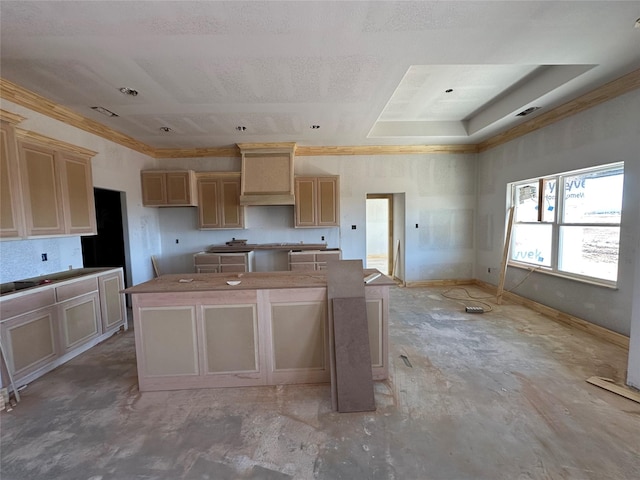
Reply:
x=439 y=192
x=633 y=369
x=114 y=167
x=607 y=133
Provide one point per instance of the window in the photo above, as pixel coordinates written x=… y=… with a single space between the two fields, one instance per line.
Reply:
x=569 y=223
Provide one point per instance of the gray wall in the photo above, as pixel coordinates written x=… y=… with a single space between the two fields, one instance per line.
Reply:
x=604 y=134
x=439 y=194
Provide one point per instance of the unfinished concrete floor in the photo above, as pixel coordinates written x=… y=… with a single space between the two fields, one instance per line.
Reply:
x=500 y=395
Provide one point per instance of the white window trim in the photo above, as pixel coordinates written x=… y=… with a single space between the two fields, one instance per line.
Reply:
x=555 y=228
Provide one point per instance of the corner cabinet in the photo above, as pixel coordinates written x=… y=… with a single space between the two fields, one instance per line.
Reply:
x=57 y=188
x=161 y=188
x=219 y=201
x=317 y=201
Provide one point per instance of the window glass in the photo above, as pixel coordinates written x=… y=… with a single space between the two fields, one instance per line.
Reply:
x=526 y=202
x=591 y=251
x=531 y=244
x=593 y=197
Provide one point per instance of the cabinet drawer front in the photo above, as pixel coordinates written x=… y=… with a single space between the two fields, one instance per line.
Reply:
x=207 y=259
x=209 y=269
x=296 y=267
x=232 y=259
x=325 y=257
x=75 y=289
x=303 y=257
x=27 y=303
x=232 y=268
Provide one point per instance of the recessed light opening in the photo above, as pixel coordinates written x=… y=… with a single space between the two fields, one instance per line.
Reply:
x=128 y=91
x=241 y=128
x=166 y=129
x=314 y=127
x=448 y=90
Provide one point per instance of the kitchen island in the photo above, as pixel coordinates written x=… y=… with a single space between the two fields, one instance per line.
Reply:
x=257 y=328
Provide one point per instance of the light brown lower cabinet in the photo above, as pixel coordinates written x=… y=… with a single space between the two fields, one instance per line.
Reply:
x=223 y=262
x=244 y=337
x=80 y=320
x=44 y=327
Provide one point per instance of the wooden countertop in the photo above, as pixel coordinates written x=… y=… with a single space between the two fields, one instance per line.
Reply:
x=203 y=282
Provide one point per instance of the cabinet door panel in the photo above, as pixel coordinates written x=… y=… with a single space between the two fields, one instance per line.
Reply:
x=11 y=224
x=31 y=341
x=299 y=338
x=169 y=341
x=178 y=188
x=80 y=320
x=78 y=195
x=111 y=301
x=208 y=209
x=231 y=338
x=327 y=202
x=232 y=212
x=154 y=189
x=305 y=202
x=41 y=180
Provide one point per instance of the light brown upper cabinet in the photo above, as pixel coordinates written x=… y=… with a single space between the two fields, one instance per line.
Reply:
x=11 y=209
x=161 y=188
x=317 y=201
x=219 y=201
x=77 y=195
x=267 y=173
x=42 y=188
x=57 y=190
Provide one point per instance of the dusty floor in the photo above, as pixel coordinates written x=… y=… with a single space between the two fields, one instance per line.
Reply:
x=500 y=395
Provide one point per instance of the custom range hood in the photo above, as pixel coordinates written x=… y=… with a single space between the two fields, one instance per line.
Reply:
x=267 y=173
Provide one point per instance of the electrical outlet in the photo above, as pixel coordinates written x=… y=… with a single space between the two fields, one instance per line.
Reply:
x=353 y=227
x=322 y=238
x=177 y=241
x=416 y=225
x=44 y=257
x=489 y=270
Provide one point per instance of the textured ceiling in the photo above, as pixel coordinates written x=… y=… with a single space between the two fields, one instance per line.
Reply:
x=367 y=72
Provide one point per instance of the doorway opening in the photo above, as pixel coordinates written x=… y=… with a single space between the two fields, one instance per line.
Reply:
x=380 y=232
x=107 y=248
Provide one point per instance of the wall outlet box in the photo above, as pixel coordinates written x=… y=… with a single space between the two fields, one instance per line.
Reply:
x=474 y=309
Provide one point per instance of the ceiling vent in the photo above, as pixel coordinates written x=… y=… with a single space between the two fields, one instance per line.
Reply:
x=527 y=111
x=104 y=111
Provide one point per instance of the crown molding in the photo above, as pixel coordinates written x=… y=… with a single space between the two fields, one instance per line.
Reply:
x=29 y=136
x=21 y=96
x=12 y=118
x=28 y=99
x=606 y=92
